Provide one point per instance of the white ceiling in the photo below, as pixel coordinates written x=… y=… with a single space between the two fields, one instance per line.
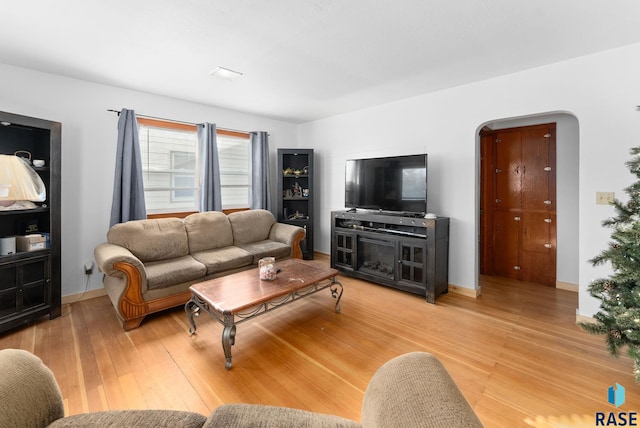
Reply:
x=305 y=59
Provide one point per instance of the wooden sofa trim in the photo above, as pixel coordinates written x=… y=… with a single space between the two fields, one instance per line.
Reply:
x=133 y=307
x=297 y=250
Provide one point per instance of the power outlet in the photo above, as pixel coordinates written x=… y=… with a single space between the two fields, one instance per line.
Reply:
x=88 y=268
x=604 y=198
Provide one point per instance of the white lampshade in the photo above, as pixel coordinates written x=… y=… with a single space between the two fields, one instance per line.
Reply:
x=19 y=182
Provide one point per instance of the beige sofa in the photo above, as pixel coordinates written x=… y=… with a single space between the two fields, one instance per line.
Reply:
x=150 y=264
x=412 y=390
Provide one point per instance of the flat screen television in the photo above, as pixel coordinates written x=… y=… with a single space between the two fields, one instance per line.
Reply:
x=397 y=184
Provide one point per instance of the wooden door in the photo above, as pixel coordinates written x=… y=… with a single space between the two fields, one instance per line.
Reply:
x=538 y=240
x=537 y=249
x=538 y=177
x=506 y=228
x=523 y=193
x=508 y=173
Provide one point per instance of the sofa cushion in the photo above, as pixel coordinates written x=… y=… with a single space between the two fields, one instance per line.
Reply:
x=169 y=272
x=251 y=226
x=208 y=230
x=151 y=240
x=133 y=418
x=222 y=259
x=267 y=248
x=257 y=415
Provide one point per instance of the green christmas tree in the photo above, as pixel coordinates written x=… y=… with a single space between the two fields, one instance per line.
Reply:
x=619 y=315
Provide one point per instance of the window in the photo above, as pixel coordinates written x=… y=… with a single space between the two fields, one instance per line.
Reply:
x=170 y=164
x=235 y=170
x=183 y=177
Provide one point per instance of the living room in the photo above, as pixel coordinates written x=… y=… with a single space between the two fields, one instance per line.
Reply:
x=594 y=91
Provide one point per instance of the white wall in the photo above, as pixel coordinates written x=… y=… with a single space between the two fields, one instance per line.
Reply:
x=89 y=147
x=600 y=90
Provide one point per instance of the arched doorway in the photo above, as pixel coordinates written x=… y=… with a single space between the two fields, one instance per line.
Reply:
x=566 y=213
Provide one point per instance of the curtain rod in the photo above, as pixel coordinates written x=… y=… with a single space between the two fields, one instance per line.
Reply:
x=178 y=121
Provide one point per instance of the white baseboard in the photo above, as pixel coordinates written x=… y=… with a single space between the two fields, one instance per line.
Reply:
x=583 y=318
x=91 y=294
x=469 y=292
x=567 y=286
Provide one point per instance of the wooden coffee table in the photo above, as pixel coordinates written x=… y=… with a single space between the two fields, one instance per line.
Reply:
x=241 y=296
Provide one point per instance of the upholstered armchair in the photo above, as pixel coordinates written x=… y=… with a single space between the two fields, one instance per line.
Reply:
x=412 y=390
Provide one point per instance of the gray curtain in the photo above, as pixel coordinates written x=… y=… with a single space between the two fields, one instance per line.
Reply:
x=260 y=193
x=128 y=188
x=210 y=190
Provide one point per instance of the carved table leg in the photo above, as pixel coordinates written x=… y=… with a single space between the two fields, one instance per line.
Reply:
x=228 y=338
x=336 y=293
x=192 y=310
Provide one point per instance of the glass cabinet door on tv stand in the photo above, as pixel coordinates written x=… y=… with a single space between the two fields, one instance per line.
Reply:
x=296 y=193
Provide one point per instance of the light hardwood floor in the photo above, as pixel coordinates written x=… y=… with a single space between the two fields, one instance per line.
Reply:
x=515 y=352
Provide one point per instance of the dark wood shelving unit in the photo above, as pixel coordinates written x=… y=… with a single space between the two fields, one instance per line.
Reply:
x=30 y=281
x=295 y=208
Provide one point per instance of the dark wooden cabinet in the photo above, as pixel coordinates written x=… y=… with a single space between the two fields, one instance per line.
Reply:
x=30 y=281
x=519 y=204
x=296 y=193
x=407 y=253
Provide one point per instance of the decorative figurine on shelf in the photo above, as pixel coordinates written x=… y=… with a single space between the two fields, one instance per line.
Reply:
x=305 y=170
x=287 y=171
x=297 y=172
x=297 y=190
x=297 y=215
x=305 y=193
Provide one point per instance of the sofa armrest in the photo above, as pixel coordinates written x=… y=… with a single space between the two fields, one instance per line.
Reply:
x=415 y=387
x=29 y=393
x=254 y=415
x=118 y=262
x=290 y=235
x=109 y=255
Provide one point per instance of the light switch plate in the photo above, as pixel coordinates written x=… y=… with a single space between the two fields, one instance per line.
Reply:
x=604 y=198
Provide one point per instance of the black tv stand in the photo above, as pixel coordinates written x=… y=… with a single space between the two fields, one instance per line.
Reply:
x=407 y=252
x=389 y=213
